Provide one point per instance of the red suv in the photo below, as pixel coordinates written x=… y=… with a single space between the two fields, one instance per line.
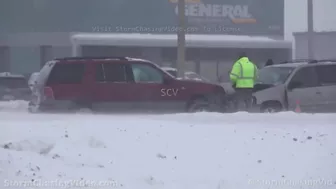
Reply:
x=119 y=84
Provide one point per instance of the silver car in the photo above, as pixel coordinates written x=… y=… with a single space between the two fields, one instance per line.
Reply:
x=308 y=86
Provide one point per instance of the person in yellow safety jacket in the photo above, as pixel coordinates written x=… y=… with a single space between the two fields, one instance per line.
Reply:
x=243 y=77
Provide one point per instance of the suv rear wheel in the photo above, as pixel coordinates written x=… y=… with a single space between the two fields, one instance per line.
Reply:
x=33 y=108
x=81 y=107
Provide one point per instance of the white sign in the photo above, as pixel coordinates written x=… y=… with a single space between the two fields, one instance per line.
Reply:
x=215 y=10
x=169 y=92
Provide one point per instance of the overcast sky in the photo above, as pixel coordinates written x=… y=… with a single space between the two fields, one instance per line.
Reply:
x=296 y=16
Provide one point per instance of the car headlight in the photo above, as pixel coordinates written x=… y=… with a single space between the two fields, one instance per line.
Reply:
x=220 y=90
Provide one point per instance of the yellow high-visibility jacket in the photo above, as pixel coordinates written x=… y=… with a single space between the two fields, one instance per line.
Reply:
x=244 y=73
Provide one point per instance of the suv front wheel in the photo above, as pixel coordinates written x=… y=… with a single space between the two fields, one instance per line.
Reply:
x=198 y=105
x=271 y=107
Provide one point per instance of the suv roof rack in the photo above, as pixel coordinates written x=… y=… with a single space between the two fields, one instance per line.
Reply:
x=323 y=61
x=327 y=60
x=93 y=58
x=299 y=61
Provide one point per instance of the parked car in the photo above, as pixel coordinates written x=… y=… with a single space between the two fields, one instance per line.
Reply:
x=311 y=85
x=118 y=84
x=13 y=87
x=187 y=75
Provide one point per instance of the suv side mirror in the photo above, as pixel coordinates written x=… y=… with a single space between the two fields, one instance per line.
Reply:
x=167 y=80
x=294 y=84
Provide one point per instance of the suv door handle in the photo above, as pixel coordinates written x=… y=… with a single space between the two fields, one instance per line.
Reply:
x=318 y=92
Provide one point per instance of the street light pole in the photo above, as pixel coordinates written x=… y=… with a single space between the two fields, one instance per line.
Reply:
x=310 y=32
x=181 y=38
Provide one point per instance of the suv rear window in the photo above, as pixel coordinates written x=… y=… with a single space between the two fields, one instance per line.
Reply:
x=13 y=82
x=66 y=73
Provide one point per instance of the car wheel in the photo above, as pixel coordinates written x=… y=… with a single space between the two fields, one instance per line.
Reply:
x=272 y=107
x=199 y=105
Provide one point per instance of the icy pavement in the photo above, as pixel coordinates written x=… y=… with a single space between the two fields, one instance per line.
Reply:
x=184 y=151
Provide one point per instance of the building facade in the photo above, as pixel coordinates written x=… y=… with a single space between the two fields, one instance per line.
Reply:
x=324 y=44
x=34 y=31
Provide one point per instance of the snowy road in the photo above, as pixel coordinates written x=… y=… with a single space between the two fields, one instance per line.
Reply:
x=184 y=151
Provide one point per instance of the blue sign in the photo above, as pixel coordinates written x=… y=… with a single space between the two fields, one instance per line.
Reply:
x=236 y=17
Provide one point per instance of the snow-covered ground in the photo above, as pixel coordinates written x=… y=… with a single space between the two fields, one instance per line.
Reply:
x=184 y=151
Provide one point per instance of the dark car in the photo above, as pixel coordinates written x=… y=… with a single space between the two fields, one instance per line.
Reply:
x=119 y=84
x=13 y=87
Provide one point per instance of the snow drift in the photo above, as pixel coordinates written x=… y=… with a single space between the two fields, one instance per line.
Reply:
x=196 y=151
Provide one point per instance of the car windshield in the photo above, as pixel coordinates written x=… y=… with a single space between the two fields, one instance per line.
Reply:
x=195 y=76
x=274 y=75
x=187 y=75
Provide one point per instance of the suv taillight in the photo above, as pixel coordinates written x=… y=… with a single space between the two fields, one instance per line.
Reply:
x=48 y=92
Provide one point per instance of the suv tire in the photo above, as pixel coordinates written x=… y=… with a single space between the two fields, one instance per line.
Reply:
x=33 y=108
x=199 y=105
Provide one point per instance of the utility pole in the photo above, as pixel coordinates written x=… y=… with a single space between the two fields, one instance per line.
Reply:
x=310 y=32
x=181 y=38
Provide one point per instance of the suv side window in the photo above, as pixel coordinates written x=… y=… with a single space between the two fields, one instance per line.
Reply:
x=144 y=73
x=326 y=74
x=305 y=78
x=111 y=72
x=66 y=73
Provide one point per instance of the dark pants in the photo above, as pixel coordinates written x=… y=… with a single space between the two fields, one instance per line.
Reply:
x=243 y=99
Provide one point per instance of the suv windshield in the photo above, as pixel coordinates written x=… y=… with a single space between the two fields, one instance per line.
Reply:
x=274 y=75
x=195 y=76
x=172 y=72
